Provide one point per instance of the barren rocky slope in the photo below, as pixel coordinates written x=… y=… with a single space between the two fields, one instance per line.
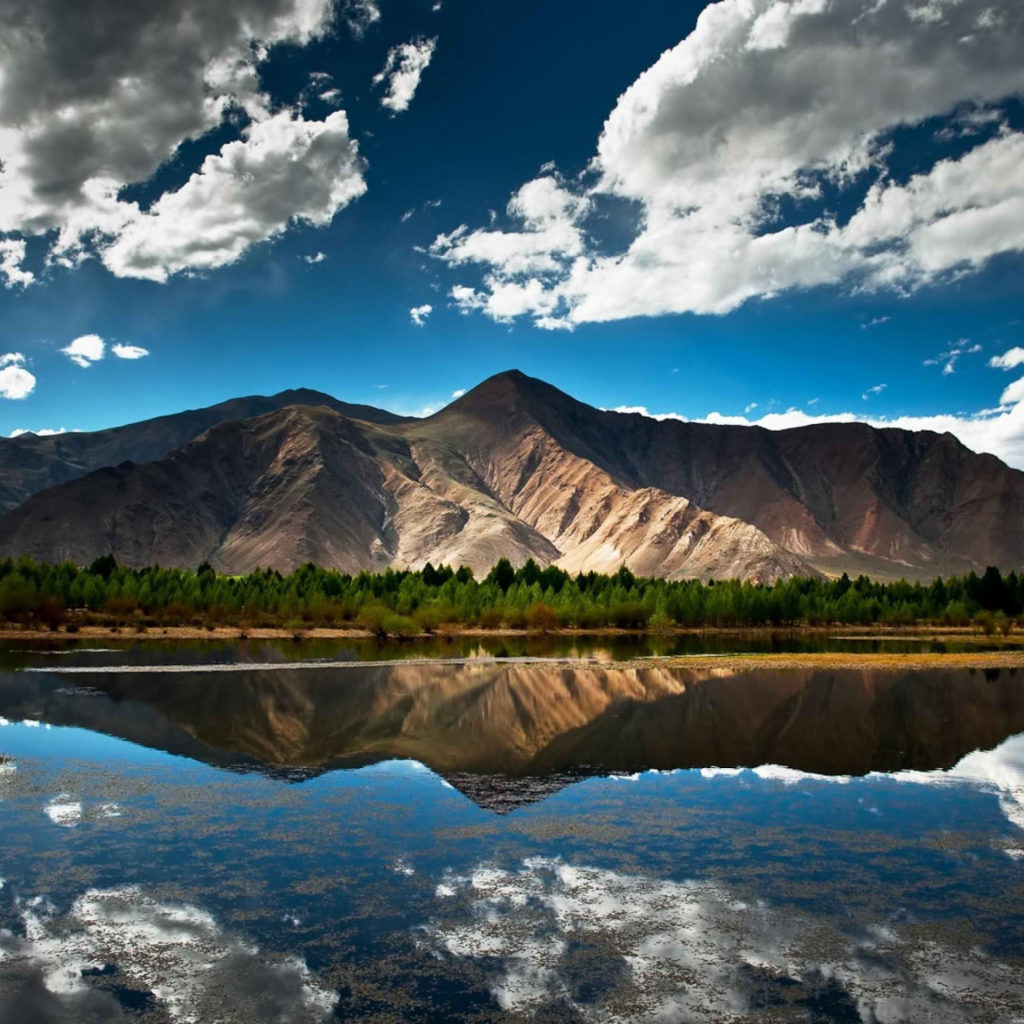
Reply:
x=519 y=469
x=31 y=463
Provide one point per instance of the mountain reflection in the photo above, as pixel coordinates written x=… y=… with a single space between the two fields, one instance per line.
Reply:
x=536 y=720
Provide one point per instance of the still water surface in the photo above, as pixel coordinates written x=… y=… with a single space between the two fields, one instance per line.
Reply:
x=504 y=841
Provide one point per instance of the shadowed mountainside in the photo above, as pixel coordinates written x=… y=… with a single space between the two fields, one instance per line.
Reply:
x=518 y=469
x=31 y=463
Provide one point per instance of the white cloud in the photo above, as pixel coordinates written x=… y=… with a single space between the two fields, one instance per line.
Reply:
x=158 y=75
x=877 y=389
x=318 y=257
x=949 y=359
x=407 y=215
x=1008 y=360
x=763 y=104
x=402 y=71
x=15 y=381
x=12 y=255
x=875 y=322
x=750 y=407
x=86 y=350
x=129 y=351
x=458 y=393
x=360 y=15
x=419 y=314
x=284 y=169
x=44 y=432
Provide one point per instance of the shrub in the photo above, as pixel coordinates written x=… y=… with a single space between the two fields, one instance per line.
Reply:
x=490 y=618
x=373 y=618
x=592 y=618
x=659 y=622
x=50 y=611
x=121 y=608
x=428 y=619
x=630 y=615
x=400 y=626
x=542 y=616
x=515 y=618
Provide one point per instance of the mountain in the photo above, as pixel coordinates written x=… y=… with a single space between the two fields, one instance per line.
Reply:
x=30 y=463
x=517 y=468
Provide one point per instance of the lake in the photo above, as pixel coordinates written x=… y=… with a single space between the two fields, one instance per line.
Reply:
x=294 y=832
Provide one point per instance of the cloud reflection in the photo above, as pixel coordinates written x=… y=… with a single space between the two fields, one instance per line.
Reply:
x=594 y=944
x=175 y=952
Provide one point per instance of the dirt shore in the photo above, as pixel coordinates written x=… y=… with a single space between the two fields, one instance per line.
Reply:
x=840 y=632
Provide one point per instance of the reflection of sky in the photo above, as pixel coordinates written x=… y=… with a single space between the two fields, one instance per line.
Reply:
x=1001 y=769
x=177 y=952
x=659 y=896
x=610 y=945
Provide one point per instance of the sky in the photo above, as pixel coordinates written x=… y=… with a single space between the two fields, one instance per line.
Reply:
x=765 y=211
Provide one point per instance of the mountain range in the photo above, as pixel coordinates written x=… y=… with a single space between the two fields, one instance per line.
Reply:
x=514 y=468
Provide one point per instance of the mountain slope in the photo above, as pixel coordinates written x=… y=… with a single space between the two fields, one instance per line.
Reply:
x=518 y=469
x=30 y=463
x=296 y=485
x=840 y=496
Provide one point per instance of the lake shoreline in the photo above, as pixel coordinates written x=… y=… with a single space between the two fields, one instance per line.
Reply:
x=839 y=632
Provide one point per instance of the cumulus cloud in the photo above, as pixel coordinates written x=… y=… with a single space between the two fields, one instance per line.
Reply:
x=15 y=381
x=360 y=15
x=284 y=169
x=458 y=392
x=86 y=350
x=91 y=103
x=43 y=432
x=402 y=71
x=12 y=255
x=419 y=314
x=1009 y=360
x=318 y=257
x=176 y=951
x=129 y=351
x=762 y=108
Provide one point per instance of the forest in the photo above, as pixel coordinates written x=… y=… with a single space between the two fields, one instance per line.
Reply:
x=406 y=603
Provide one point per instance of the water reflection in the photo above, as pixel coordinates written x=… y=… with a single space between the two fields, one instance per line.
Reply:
x=539 y=721
x=587 y=943
x=800 y=846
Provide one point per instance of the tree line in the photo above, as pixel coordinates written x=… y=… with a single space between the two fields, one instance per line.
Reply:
x=400 y=602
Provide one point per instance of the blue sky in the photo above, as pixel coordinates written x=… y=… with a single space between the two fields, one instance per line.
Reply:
x=742 y=252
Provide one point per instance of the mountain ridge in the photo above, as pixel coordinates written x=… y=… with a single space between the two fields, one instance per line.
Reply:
x=517 y=468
